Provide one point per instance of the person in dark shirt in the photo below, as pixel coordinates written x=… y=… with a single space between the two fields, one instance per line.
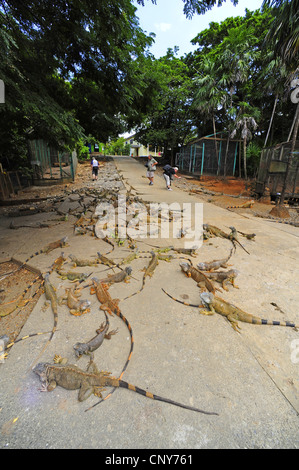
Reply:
x=169 y=172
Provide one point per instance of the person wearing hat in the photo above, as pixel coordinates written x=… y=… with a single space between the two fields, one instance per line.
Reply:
x=169 y=172
x=151 y=168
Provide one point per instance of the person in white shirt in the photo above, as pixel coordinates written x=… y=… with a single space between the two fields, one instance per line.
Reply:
x=95 y=168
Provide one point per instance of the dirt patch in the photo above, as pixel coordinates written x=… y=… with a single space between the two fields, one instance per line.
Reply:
x=227 y=186
x=280 y=211
x=15 y=307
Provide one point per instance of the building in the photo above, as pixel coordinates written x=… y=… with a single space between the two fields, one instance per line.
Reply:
x=139 y=150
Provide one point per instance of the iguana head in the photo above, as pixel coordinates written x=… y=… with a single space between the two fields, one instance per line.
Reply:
x=185 y=267
x=41 y=370
x=206 y=298
x=80 y=349
x=201 y=266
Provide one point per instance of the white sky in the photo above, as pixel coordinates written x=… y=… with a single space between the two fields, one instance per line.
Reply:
x=168 y=22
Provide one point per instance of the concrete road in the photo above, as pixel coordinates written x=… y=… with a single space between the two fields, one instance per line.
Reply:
x=249 y=378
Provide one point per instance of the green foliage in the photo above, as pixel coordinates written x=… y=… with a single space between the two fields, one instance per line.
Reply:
x=253 y=156
x=82 y=150
x=117 y=147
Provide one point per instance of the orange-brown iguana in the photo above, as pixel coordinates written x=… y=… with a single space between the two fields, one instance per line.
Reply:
x=111 y=306
x=245 y=205
x=215 y=264
x=52 y=246
x=77 y=307
x=224 y=277
x=198 y=276
x=91 y=382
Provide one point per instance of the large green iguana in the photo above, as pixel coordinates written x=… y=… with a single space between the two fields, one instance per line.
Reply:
x=91 y=382
x=230 y=311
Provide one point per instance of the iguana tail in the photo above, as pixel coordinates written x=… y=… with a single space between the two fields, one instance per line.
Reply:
x=261 y=321
x=120 y=315
x=180 y=301
x=123 y=384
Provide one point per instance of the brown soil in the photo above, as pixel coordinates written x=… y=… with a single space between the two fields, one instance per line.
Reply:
x=280 y=211
x=227 y=185
x=13 y=312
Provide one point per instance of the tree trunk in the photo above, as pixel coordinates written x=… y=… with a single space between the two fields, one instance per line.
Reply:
x=296 y=125
x=271 y=120
x=216 y=146
x=244 y=161
x=225 y=158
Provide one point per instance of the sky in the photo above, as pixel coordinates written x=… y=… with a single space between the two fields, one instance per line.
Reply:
x=167 y=20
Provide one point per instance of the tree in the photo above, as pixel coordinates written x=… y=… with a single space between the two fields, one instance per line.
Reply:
x=196 y=6
x=170 y=123
x=246 y=123
x=208 y=95
x=284 y=37
x=284 y=31
x=70 y=68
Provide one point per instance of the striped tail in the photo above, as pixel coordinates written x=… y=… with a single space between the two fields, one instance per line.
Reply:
x=181 y=302
x=262 y=321
x=135 y=293
x=124 y=384
x=9 y=345
x=120 y=315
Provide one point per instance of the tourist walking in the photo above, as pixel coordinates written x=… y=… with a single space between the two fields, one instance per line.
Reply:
x=151 y=168
x=95 y=168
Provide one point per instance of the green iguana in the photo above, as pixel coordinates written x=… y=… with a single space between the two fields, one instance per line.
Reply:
x=235 y=314
x=234 y=239
x=230 y=311
x=215 y=264
x=50 y=295
x=91 y=382
x=148 y=271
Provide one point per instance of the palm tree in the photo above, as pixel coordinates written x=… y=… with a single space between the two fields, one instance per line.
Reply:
x=284 y=30
x=272 y=81
x=235 y=66
x=246 y=122
x=209 y=97
x=284 y=36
